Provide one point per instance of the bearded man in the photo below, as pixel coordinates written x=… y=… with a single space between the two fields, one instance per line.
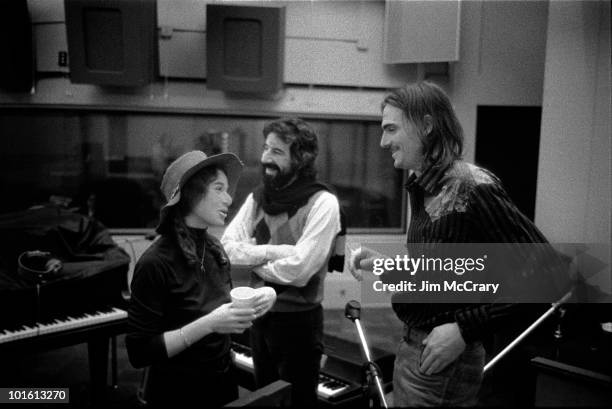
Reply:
x=287 y=228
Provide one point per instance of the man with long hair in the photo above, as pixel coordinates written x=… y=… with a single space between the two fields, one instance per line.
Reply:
x=441 y=356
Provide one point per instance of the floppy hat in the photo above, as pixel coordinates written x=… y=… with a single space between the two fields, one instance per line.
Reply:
x=185 y=166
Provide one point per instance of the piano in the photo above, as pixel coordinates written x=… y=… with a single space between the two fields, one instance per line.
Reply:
x=62 y=324
x=63 y=313
x=341 y=375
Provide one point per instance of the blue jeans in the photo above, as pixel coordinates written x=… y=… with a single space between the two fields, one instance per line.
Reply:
x=456 y=385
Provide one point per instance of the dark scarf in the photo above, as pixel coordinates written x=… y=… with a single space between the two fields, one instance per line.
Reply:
x=289 y=199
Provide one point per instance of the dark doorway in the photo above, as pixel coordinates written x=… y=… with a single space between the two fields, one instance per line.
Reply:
x=508 y=144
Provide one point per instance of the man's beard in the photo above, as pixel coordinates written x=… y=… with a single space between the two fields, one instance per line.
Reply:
x=279 y=180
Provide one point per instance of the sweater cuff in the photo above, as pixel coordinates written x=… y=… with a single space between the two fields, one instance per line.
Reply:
x=158 y=348
x=470 y=329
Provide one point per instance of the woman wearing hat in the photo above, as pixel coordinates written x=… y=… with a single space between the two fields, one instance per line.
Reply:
x=180 y=313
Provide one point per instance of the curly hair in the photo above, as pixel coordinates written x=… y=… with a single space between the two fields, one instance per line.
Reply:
x=303 y=141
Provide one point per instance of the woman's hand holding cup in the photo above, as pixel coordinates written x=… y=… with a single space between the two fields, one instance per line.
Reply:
x=228 y=318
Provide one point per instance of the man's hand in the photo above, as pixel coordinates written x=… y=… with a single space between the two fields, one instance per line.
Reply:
x=266 y=296
x=362 y=259
x=442 y=346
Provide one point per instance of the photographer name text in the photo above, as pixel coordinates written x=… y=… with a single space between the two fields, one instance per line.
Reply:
x=445 y=286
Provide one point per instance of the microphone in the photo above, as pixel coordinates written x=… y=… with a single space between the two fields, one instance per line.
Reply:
x=352 y=311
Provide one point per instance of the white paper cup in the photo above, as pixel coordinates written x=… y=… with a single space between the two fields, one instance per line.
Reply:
x=243 y=297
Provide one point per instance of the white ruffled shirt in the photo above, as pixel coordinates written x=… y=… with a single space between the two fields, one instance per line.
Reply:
x=282 y=263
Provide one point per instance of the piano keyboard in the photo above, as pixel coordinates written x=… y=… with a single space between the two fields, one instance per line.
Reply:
x=328 y=387
x=242 y=357
x=61 y=324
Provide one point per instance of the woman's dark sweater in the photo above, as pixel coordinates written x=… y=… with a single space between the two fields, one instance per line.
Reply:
x=168 y=292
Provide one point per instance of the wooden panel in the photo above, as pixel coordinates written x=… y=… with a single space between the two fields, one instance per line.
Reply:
x=312 y=19
x=182 y=14
x=183 y=55
x=46 y=11
x=53 y=36
x=319 y=19
x=513 y=44
x=576 y=50
x=320 y=47
x=421 y=31
x=340 y=63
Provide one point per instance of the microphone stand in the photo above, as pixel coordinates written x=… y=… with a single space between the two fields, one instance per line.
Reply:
x=352 y=311
x=528 y=331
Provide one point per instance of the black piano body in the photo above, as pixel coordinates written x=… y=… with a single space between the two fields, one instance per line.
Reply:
x=93 y=273
x=64 y=313
x=83 y=302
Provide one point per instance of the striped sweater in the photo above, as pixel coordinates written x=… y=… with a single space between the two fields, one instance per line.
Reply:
x=461 y=203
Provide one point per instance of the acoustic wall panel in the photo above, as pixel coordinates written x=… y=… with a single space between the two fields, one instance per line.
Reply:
x=245 y=48
x=112 y=42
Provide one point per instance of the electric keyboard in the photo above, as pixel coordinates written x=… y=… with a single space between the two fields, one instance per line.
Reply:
x=341 y=375
x=328 y=387
x=243 y=359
